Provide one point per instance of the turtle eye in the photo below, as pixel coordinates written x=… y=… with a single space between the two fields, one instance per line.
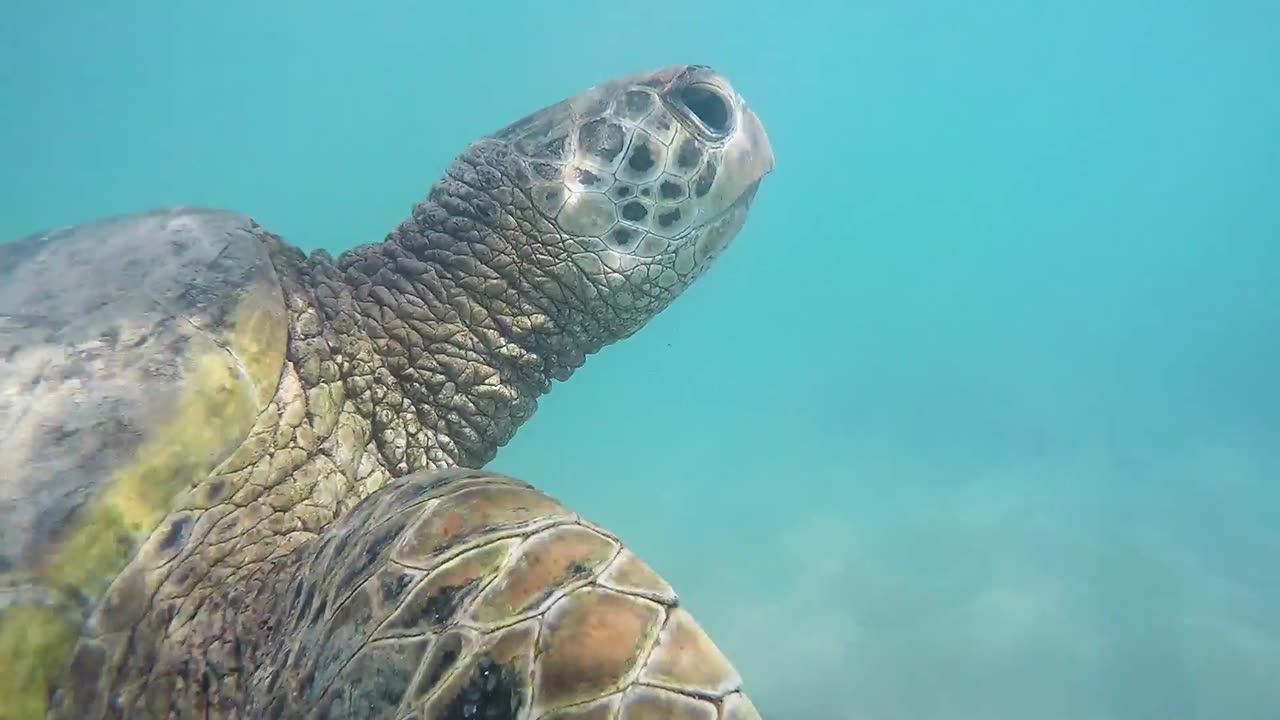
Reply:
x=708 y=105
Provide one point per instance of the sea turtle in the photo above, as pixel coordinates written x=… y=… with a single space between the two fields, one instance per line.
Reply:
x=241 y=481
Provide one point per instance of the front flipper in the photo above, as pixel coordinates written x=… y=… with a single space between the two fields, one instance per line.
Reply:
x=466 y=594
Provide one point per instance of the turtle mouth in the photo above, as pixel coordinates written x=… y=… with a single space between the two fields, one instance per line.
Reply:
x=720 y=229
x=740 y=204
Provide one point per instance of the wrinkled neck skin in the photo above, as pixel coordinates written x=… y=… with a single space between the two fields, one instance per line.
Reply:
x=425 y=351
x=443 y=336
x=454 y=325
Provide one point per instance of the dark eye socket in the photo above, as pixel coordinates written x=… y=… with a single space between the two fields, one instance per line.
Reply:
x=708 y=105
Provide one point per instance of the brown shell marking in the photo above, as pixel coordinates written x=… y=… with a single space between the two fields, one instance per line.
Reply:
x=497 y=602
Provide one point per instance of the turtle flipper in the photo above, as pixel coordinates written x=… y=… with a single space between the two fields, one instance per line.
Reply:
x=462 y=593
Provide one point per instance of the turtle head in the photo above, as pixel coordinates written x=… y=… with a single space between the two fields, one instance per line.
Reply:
x=624 y=193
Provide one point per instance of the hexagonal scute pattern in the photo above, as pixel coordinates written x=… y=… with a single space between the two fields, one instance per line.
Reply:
x=473 y=595
x=628 y=164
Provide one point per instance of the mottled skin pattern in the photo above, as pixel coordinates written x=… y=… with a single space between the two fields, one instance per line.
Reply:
x=326 y=561
x=463 y=594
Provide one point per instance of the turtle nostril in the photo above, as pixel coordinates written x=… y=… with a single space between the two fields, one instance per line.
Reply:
x=708 y=106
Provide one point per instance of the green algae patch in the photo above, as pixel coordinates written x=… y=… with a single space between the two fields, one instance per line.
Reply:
x=228 y=377
x=34 y=644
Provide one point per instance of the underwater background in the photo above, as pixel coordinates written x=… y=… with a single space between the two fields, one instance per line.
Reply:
x=979 y=417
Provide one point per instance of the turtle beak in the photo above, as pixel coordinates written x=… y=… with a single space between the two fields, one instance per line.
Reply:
x=748 y=157
x=759 y=151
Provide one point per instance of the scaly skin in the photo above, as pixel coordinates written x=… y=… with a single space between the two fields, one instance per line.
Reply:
x=263 y=590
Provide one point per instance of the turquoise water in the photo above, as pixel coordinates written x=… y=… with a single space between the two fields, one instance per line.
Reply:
x=978 y=419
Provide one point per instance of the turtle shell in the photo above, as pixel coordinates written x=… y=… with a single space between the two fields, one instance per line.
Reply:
x=135 y=354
